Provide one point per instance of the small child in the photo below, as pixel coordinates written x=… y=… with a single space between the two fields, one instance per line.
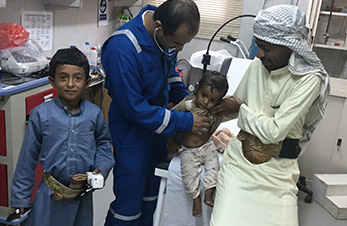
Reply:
x=71 y=137
x=197 y=150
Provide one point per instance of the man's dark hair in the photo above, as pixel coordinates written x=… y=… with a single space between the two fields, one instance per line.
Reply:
x=215 y=80
x=70 y=56
x=174 y=13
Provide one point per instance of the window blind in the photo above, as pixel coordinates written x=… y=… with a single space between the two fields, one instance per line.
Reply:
x=214 y=13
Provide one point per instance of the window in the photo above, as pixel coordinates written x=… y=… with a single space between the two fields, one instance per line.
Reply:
x=214 y=13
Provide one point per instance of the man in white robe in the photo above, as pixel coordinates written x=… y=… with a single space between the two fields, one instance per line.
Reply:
x=279 y=101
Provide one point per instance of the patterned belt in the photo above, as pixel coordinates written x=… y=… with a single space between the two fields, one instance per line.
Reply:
x=56 y=186
x=255 y=151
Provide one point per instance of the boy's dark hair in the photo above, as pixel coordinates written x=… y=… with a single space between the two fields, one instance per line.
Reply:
x=70 y=56
x=173 y=13
x=215 y=80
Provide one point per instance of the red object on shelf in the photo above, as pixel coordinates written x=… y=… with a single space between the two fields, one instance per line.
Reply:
x=3 y=186
x=2 y=134
x=337 y=44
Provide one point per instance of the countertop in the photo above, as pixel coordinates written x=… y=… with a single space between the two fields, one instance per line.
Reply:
x=6 y=90
x=30 y=83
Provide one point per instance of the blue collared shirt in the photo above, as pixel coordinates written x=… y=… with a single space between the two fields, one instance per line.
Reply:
x=67 y=143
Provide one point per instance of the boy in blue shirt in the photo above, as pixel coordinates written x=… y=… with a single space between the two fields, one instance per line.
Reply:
x=71 y=136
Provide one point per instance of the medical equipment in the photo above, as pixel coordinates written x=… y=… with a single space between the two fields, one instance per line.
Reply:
x=238 y=43
x=171 y=54
x=24 y=60
x=207 y=57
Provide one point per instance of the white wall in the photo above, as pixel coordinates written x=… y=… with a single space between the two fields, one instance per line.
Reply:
x=245 y=34
x=70 y=27
x=75 y=26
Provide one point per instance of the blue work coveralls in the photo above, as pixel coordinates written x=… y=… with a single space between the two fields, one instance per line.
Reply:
x=141 y=81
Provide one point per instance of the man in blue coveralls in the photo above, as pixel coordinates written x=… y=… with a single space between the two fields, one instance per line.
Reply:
x=139 y=60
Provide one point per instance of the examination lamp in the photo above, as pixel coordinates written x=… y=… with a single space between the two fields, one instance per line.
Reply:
x=207 y=57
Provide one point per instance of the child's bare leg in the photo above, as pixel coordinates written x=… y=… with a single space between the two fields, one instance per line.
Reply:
x=197 y=209
x=209 y=196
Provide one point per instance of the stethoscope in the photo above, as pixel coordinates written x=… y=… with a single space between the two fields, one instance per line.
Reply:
x=170 y=55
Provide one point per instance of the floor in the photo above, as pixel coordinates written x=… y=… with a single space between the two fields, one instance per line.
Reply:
x=311 y=214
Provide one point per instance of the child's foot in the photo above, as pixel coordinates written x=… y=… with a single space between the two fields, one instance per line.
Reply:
x=209 y=196
x=197 y=209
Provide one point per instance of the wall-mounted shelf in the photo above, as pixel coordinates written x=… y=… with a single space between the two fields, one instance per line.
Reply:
x=330 y=40
x=333 y=13
x=62 y=4
x=344 y=48
x=123 y=3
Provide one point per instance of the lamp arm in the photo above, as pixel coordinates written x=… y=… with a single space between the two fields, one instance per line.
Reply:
x=206 y=58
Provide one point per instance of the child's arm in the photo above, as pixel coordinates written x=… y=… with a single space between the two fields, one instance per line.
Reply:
x=103 y=158
x=24 y=176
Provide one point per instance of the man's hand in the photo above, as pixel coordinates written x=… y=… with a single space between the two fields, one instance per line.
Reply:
x=228 y=105
x=201 y=124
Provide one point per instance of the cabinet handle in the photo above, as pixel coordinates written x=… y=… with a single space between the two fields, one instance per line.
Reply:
x=339 y=142
x=48 y=97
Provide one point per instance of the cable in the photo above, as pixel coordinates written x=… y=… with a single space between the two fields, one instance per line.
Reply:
x=207 y=57
x=130 y=13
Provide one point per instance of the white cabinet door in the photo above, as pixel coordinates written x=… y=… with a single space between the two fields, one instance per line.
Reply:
x=322 y=154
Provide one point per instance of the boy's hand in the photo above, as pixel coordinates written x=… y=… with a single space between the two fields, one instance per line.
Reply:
x=15 y=213
x=57 y=196
x=97 y=171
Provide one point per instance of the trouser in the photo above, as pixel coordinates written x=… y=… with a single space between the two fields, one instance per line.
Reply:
x=135 y=185
x=48 y=212
x=192 y=160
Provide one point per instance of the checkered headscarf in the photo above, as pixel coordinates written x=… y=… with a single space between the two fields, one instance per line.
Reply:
x=285 y=25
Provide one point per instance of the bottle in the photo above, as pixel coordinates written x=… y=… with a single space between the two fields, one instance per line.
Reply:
x=98 y=49
x=94 y=73
x=86 y=50
x=93 y=57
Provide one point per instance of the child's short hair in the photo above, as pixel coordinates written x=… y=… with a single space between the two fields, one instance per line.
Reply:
x=215 y=80
x=70 y=56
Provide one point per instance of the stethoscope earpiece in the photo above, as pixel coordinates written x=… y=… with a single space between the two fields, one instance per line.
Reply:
x=172 y=52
